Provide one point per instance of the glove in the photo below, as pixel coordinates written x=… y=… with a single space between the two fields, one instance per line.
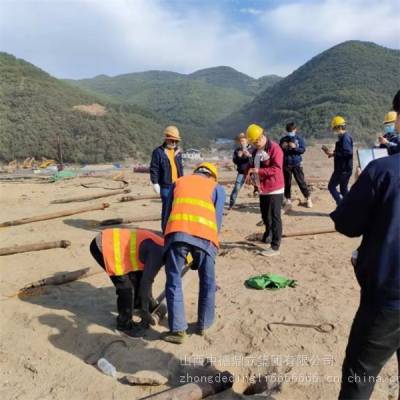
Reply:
x=156 y=188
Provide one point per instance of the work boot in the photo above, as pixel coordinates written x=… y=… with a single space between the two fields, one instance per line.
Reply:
x=174 y=337
x=201 y=331
x=270 y=252
x=309 y=203
x=129 y=328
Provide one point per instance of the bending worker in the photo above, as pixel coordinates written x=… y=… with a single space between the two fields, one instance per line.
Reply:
x=166 y=164
x=132 y=259
x=192 y=220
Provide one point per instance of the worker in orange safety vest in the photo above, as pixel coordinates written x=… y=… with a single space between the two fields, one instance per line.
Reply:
x=132 y=258
x=192 y=221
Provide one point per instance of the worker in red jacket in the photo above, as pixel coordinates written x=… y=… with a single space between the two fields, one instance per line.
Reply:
x=267 y=168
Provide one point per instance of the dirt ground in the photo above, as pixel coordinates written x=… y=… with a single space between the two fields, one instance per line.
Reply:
x=46 y=338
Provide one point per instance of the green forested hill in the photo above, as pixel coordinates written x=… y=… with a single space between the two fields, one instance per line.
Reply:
x=195 y=101
x=355 y=79
x=227 y=77
x=35 y=107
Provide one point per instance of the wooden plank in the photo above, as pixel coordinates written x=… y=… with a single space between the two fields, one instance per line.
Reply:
x=58 y=214
x=34 y=247
x=207 y=386
x=90 y=197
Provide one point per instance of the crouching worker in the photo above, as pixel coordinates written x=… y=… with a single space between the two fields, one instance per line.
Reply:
x=192 y=220
x=132 y=259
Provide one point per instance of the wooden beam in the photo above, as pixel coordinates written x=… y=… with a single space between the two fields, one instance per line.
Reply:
x=90 y=197
x=139 y=197
x=309 y=233
x=58 y=214
x=34 y=247
x=206 y=386
x=62 y=278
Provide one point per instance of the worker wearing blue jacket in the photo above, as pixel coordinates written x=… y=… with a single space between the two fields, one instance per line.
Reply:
x=191 y=224
x=390 y=140
x=372 y=210
x=343 y=160
x=396 y=108
x=293 y=147
x=241 y=158
x=166 y=164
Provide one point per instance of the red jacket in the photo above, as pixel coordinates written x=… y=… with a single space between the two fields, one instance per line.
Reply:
x=271 y=170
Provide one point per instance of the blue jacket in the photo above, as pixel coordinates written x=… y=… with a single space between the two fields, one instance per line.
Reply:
x=343 y=159
x=393 y=147
x=292 y=157
x=372 y=209
x=160 y=169
x=241 y=163
x=219 y=202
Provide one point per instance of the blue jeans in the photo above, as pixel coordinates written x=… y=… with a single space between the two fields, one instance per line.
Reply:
x=175 y=261
x=238 y=185
x=340 y=179
x=164 y=191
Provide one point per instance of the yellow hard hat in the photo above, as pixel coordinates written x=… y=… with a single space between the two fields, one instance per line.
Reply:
x=337 y=121
x=212 y=168
x=254 y=132
x=172 y=132
x=390 y=117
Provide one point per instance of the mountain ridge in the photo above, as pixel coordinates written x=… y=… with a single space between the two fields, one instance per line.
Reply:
x=354 y=78
x=199 y=99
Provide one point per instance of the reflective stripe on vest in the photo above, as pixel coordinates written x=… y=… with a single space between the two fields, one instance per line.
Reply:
x=121 y=247
x=117 y=252
x=194 y=218
x=193 y=210
x=196 y=202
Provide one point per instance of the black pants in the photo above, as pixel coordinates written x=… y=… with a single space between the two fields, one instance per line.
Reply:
x=374 y=338
x=270 y=206
x=127 y=288
x=340 y=179
x=297 y=172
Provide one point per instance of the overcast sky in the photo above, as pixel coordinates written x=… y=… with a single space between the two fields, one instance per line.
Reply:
x=84 y=38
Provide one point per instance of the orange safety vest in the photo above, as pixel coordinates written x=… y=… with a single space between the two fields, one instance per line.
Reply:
x=193 y=210
x=120 y=249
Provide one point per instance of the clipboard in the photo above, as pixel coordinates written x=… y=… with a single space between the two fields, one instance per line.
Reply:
x=365 y=156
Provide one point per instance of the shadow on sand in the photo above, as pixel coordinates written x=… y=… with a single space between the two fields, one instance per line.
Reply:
x=89 y=307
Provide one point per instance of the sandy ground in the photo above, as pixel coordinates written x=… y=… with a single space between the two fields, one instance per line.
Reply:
x=46 y=338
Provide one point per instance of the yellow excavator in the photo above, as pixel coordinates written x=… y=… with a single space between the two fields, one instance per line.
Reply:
x=46 y=163
x=28 y=163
